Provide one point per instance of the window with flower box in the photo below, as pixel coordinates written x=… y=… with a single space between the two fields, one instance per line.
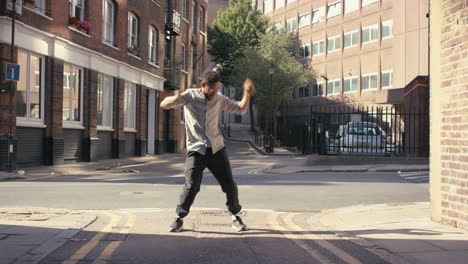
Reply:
x=76 y=16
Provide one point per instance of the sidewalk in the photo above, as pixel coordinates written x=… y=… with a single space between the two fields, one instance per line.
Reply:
x=399 y=233
x=27 y=235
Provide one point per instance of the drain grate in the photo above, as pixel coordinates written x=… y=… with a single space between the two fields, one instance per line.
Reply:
x=115 y=237
x=220 y=213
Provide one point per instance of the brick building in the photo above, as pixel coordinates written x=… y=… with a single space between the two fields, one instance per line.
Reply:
x=92 y=78
x=449 y=114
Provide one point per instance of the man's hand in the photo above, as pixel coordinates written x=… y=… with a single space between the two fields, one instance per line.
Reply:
x=249 y=87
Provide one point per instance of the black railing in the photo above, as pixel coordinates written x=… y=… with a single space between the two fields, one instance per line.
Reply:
x=339 y=130
x=172 y=76
x=172 y=22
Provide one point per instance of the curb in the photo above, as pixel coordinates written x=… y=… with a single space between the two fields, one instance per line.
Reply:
x=37 y=254
x=354 y=170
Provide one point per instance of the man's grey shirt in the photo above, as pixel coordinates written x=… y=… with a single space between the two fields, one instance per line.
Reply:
x=201 y=119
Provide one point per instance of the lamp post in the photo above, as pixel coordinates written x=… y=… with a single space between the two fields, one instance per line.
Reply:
x=271 y=139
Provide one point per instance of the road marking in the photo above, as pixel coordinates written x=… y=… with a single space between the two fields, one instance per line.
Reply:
x=84 y=251
x=321 y=242
x=92 y=172
x=110 y=249
x=297 y=239
x=415 y=177
x=258 y=170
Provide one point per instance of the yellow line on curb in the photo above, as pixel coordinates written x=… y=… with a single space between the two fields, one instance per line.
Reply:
x=110 y=249
x=322 y=242
x=297 y=239
x=84 y=251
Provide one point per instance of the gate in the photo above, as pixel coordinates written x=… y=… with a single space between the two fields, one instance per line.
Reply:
x=340 y=130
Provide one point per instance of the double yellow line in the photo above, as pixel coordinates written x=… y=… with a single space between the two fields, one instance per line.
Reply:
x=299 y=239
x=106 y=254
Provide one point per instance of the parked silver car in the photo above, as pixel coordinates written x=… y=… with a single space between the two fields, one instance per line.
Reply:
x=361 y=137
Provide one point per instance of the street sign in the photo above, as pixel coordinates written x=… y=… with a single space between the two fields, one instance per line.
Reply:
x=19 y=6
x=12 y=72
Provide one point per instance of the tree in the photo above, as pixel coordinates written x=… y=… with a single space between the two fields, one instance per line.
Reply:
x=234 y=29
x=276 y=90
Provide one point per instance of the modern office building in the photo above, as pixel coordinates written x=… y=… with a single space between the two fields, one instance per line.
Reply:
x=364 y=52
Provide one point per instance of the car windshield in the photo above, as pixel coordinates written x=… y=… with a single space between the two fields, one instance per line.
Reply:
x=363 y=129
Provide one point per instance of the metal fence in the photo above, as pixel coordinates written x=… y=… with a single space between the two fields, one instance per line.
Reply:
x=340 y=130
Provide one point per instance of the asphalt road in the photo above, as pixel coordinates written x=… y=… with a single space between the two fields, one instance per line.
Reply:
x=135 y=207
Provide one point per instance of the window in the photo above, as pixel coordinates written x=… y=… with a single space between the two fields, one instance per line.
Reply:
x=40 y=5
x=333 y=86
x=76 y=9
x=194 y=17
x=350 y=84
x=291 y=24
x=368 y=2
x=201 y=66
x=268 y=5
x=369 y=34
x=290 y=1
x=334 y=9
x=30 y=92
x=334 y=43
x=132 y=42
x=279 y=27
x=304 y=91
x=105 y=90
x=153 y=45
x=351 y=5
x=279 y=3
x=387 y=79
x=304 y=51
x=350 y=39
x=318 y=47
x=387 y=28
x=185 y=13
x=318 y=15
x=317 y=89
x=184 y=57
x=304 y=20
x=130 y=106
x=194 y=67
x=202 y=20
x=108 y=22
x=72 y=93
x=369 y=81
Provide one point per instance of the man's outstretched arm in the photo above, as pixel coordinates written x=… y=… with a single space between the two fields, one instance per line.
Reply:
x=249 y=90
x=169 y=101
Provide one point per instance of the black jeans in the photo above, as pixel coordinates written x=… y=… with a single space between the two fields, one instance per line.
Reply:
x=218 y=164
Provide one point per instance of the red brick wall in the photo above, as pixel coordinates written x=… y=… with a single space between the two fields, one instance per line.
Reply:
x=454 y=127
x=148 y=13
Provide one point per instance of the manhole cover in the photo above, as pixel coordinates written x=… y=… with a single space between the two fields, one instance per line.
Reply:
x=220 y=213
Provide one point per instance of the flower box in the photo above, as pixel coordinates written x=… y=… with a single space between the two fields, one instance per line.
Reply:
x=83 y=26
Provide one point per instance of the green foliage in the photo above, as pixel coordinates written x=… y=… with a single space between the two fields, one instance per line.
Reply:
x=275 y=90
x=235 y=28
